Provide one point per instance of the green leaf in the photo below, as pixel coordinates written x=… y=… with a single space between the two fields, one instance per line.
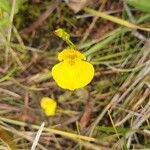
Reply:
x=4 y=22
x=143 y=5
x=5 y=5
x=111 y=129
x=18 y=5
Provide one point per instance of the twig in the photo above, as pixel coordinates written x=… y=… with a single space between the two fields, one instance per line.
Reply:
x=132 y=19
x=37 y=136
x=9 y=31
x=92 y=24
x=11 y=20
x=8 y=92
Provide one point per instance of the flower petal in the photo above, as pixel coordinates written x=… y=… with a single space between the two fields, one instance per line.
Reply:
x=73 y=75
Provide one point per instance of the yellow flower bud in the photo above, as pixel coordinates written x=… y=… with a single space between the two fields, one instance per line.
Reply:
x=62 y=34
x=73 y=71
x=65 y=36
x=49 y=106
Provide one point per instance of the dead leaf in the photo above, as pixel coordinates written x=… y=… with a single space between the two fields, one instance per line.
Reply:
x=7 y=138
x=86 y=117
x=77 y=5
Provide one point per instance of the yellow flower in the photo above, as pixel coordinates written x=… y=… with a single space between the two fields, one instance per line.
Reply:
x=73 y=71
x=49 y=106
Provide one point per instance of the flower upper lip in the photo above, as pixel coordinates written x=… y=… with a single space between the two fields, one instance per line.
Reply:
x=69 y=53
